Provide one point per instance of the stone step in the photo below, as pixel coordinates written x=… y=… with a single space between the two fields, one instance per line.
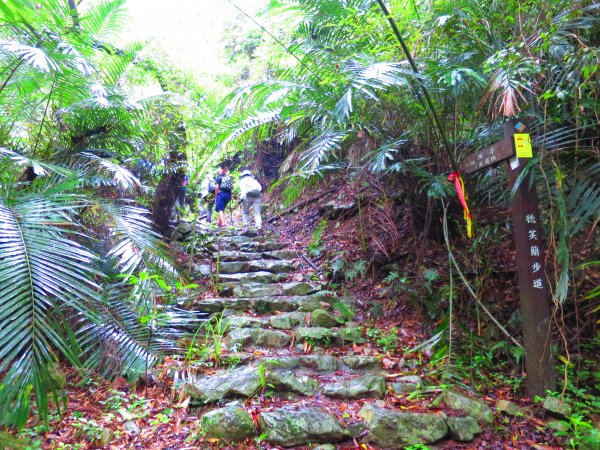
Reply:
x=324 y=363
x=270 y=375
x=265 y=304
x=327 y=336
x=244 y=244
x=234 y=256
x=261 y=265
x=294 y=426
x=307 y=423
x=246 y=381
x=318 y=364
x=253 y=277
x=244 y=338
x=258 y=337
x=290 y=426
x=285 y=321
x=234 y=232
x=255 y=290
x=364 y=386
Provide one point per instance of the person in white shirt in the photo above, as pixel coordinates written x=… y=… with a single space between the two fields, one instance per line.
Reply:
x=250 y=197
x=207 y=196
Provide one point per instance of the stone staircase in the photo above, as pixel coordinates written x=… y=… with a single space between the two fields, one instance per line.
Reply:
x=286 y=339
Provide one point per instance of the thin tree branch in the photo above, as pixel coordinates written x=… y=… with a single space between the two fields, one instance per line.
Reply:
x=272 y=36
x=37 y=141
x=470 y=289
x=424 y=89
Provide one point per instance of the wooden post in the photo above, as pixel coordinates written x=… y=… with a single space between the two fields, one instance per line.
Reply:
x=533 y=290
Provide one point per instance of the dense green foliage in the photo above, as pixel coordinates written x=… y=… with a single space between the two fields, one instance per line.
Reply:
x=71 y=233
x=349 y=99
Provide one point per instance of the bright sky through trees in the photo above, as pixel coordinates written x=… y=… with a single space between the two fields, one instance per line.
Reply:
x=188 y=30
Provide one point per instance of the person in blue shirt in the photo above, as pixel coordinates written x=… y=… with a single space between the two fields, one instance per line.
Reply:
x=223 y=187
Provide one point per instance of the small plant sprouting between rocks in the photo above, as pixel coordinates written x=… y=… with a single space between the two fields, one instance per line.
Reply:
x=386 y=340
x=315 y=246
x=213 y=341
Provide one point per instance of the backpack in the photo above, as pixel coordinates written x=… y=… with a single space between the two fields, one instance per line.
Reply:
x=255 y=190
x=226 y=183
x=211 y=187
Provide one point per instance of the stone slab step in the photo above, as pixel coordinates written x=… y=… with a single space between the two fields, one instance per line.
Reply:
x=261 y=265
x=268 y=289
x=307 y=423
x=258 y=337
x=284 y=321
x=289 y=427
x=365 y=386
x=244 y=244
x=247 y=381
x=321 y=364
x=326 y=363
x=253 y=277
x=264 y=246
x=328 y=336
x=398 y=429
x=234 y=232
x=233 y=256
x=242 y=338
x=304 y=303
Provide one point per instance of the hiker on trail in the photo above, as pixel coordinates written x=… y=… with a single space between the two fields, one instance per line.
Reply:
x=207 y=196
x=250 y=197
x=183 y=182
x=223 y=186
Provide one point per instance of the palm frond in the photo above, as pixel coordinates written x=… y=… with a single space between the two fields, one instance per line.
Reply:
x=34 y=56
x=321 y=148
x=132 y=334
x=121 y=176
x=115 y=66
x=236 y=129
x=42 y=270
x=383 y=157
x=136 y=242
x=102 y=20
x=39 y=167
x=368 y=80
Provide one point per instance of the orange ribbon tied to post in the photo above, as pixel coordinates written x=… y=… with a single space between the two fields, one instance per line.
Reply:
x=460 y=190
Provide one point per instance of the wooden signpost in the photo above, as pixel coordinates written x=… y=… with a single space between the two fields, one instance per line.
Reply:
x=490 y=155
x=533 y=289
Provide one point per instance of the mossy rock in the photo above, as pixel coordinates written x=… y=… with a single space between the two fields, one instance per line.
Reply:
x=295 y=427
x=271 y=338
x=351 y=334
x=361 y=362
x=289 y=381
x=463 y=429
x=393 y=429
x=365 y=386
x=321 y=318
x=232 y=424
x=315 y=334
x=476 y=408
